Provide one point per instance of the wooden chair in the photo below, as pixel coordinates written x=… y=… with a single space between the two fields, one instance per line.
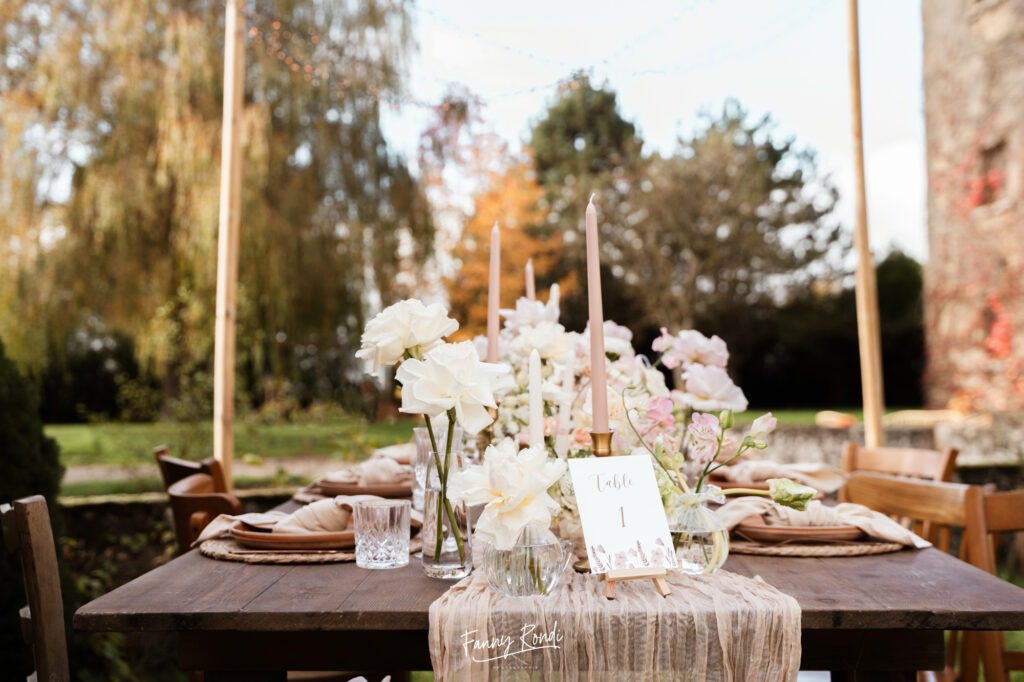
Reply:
x=194 y=503
x=26 y=530
x=1003 y=513
x=931 y=465
x=932 y=507
x=173 y=469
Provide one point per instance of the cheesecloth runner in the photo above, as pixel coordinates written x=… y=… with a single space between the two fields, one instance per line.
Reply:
x=718 y=627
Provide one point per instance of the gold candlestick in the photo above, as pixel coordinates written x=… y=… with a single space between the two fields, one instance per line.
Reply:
x=602 y=443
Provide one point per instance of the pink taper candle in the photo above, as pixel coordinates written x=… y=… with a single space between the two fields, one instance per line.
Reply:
x=493 y=295
x=531 y=285
x=598 y=372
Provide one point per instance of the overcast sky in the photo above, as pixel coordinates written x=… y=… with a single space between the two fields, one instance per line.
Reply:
x=669 y=58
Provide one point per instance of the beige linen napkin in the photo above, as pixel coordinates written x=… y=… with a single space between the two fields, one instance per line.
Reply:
x=403 y=453
x=374 y=471
x=878 y=526
x=330 y=515
x=822 y=477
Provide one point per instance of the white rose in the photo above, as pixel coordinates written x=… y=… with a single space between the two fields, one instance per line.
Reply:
x=709 y=389
x=452 y=377
x=548 y=338
x=528 y=313
x=514 y=485
x=405 y=326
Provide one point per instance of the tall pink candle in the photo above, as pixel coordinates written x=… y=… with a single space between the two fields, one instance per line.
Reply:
x=531 y=285
x=598 y=371
x=493 y=295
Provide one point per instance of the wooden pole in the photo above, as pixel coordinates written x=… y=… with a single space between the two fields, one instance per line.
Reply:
x=867 y=293
x=227 y=240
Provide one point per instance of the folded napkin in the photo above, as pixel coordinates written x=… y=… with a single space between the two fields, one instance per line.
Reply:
x=878 y=526
x=323 y=516
x=403 y=453
x=374 y=471
x=821 y=477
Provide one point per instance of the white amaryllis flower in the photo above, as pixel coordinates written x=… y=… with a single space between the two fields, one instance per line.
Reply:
x=514 y=486
x=549 y=339
x=709 y=389
x=528 y=313
x=452 y=377
x=408 y=325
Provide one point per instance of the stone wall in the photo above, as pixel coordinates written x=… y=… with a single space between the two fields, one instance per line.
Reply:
x=974 y=279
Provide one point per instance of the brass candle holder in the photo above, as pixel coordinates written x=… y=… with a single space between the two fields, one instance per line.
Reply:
x=602 y=442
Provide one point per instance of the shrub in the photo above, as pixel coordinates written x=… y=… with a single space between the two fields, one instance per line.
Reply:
x=30 y=465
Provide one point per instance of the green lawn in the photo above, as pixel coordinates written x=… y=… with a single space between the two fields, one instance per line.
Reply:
x=119 y=443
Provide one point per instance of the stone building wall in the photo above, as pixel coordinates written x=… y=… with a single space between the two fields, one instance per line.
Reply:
x=974 y=115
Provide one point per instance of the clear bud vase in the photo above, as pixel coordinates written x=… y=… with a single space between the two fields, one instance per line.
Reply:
x=534 y=566
x=701 y=540
x=447 y=553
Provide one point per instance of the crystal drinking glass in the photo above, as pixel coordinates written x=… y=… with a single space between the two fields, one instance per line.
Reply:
x=382 y=533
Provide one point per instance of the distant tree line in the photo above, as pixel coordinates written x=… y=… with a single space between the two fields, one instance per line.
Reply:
x=109 y=144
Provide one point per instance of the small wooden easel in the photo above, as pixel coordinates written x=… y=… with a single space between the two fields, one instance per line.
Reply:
x=655 y=574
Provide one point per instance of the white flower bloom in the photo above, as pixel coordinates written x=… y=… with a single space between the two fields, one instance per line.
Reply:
x=762 y=426
x=404 y=326
x=709 y=389
x=690 y=347
x=514 y=486
x=549 y=339
x=451 y=376
x=528 y=313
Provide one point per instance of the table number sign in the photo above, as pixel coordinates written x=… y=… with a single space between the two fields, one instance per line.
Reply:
x=624 y=524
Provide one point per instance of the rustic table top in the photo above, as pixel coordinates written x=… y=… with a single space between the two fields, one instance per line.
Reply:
x=921 y=590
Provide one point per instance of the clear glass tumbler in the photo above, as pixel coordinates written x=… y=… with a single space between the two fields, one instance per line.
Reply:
x=382 y=533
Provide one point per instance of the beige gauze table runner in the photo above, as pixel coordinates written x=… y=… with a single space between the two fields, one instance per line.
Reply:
x=720 y=627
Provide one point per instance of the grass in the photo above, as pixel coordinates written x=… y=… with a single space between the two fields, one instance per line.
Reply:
x=116 y=443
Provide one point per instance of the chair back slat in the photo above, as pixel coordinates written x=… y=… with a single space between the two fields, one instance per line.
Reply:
x=43 y=618
x=941 y=504
x=194 y=503
x=931 y=465
x=173 y=469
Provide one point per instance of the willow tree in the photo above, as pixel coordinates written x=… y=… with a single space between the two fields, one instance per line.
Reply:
x=110 y=125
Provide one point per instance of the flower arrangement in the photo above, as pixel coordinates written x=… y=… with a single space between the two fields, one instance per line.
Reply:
x=513 y=485
x=437 y=378
x=687 y=440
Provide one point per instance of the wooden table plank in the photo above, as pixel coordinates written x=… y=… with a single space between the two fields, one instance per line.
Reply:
x=924 y=589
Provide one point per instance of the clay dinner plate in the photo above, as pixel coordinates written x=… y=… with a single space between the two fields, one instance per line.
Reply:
x=754 y=528
x=262 y=539
x=389 y=490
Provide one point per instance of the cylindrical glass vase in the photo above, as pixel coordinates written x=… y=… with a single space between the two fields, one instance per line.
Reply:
x=446 y=553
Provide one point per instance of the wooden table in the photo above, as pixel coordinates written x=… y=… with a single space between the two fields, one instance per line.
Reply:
x=873 y=617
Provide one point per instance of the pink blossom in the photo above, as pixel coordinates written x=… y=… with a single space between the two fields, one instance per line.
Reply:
x=658 y=413
x=704 y=430
x=763 y=425
x=581 y=436
x=663 y=342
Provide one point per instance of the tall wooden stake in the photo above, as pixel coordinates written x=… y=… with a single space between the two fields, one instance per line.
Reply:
x=867 y=291
x=227 y=240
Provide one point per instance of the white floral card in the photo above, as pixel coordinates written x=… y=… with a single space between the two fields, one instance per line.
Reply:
x=624 y=524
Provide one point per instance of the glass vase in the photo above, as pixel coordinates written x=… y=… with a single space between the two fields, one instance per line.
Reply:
x=447 y=552
x=700 y=539
x=534 y=566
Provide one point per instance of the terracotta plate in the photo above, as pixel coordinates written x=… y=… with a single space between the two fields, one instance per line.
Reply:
x=390 y=490
x=754 y=528
x=256 y=539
